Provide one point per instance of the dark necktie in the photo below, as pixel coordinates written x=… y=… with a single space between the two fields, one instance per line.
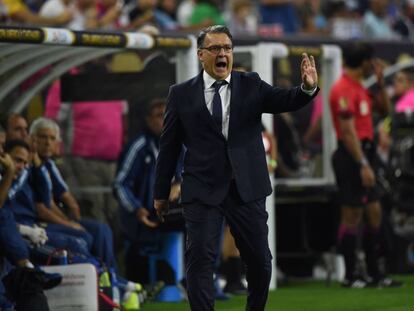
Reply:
x=217 y=109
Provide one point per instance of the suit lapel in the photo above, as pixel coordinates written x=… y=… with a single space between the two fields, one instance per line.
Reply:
x=234 y=99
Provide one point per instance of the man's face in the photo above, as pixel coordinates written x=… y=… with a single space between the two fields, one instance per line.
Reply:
x=402 y=83
x=367 y=68
x=155 y=120
x=46 y=140
x=20 y=157
x=17 y=128
x=216 y=61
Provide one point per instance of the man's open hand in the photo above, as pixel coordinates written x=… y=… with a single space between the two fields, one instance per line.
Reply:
x=308 y=72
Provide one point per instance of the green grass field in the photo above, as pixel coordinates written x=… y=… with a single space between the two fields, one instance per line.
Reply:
x=316 y=296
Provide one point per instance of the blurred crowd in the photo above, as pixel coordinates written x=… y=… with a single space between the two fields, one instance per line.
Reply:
x=343 y=19
x=99 y=166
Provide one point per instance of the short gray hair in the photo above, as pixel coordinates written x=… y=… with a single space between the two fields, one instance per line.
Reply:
x=212 y=29
x=44 y=123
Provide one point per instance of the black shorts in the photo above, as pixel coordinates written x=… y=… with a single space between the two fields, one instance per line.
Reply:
x=348 y=177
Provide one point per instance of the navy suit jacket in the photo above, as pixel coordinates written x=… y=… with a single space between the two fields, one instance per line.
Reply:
x=211 y=161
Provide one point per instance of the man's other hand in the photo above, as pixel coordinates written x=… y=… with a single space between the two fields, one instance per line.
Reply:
x=175 y=192
x=367 y=176
x=161 y=206
x=7 y=162
x=143 y=217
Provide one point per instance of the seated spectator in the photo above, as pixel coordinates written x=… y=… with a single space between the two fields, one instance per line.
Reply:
x=344 y=19
x=53 y=8
x=404 y=90
x=205 y=13
x=85 y=13
x=169 y=7
x=29 y=199
x=184 y=11
x=16 y=127
x=12 y=246
x=147 y=13
x=7 y=173
x=46 y=134
x=312 y=20
x=18 y=12
x=278 y=16
x=109 y=14
x=242 y=19
x=404 y=24
x=375 y=23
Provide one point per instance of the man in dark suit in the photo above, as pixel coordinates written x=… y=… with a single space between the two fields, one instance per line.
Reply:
x=217 y=116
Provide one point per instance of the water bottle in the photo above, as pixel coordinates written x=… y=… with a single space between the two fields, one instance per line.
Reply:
x=63 y=258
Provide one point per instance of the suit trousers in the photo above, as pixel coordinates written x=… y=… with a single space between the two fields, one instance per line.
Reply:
x=248 y=226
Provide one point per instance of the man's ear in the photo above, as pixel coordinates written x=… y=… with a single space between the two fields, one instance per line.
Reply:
x=200 y=54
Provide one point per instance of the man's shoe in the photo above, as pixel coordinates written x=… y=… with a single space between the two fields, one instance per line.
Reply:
x=152 y=291
x=47 y=280
x=355 y=283
x=235 y=288
x=219 y=294
x=388 y=283
x=131 y=301
x=105 y=279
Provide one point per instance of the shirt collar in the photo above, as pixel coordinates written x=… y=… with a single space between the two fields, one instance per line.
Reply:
x=209 y=80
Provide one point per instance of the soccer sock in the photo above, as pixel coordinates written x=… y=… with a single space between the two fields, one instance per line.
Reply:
x=372 y=247
x=347 y=242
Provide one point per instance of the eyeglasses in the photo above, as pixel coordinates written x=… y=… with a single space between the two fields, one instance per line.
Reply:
x=215 y=49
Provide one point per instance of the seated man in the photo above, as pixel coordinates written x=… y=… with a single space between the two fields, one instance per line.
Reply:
x=15 y=127
x=46 y=135
x=12 y=246
x=29 y=201
x=7 y=173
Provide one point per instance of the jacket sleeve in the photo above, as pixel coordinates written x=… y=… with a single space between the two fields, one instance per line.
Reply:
x=277 y=100
x=180 y=166
x=129 y=170
x=18 y=185
x=170 y=147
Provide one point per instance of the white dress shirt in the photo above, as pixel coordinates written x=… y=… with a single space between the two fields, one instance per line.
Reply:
x=225 y=93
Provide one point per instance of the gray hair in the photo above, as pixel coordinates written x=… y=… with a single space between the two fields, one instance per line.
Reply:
x=44 y=123
x=212 y=29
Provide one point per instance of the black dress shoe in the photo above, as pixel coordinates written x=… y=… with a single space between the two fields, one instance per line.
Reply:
x=387 y=282
x=235 y=288
x=47 y=280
